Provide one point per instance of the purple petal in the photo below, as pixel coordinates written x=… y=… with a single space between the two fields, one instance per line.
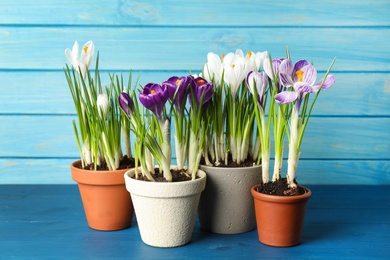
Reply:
x=182 y=87
x=126 y=102
x=171 y=86
x=329 y=81
x=153 y=97
x=201 y=87
x=286 y=80
x=300 y=64
x=309 y=74
x=275 y=66
x=147 y=102
x=286 y=97
x=303 y=87
x=286 y=67
x=258 y=80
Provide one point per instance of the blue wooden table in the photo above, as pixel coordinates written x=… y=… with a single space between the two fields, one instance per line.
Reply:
x=47 y=221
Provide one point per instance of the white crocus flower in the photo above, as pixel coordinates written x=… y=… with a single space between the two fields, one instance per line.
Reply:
x=255 y=60
x=212 y=70
x=87 y=53
x=82 y=62
x=72 y=55
x=102 y=104
x=234 y=66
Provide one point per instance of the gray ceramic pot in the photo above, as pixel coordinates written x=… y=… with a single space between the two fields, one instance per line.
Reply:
x=226 y=205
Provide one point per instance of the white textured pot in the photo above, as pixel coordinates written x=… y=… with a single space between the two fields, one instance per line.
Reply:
x=165 y=211
x=226 y=205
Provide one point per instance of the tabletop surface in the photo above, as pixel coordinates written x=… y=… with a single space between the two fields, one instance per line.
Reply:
x=48 y=222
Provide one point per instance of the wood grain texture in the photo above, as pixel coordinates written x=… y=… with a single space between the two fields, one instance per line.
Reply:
x=346 y=141
x=325 y=138
x=196 y=13
x=172 y=48
x=342 y=222
x=43 y=92
x=351 y=172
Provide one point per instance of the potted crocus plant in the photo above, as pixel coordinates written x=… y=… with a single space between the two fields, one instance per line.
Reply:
x=232 y=153
x=98 y=130
x=280 y=203
x=166 y=197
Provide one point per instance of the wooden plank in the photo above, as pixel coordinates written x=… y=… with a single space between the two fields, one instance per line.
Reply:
x=168 y=48
x=36 y=171
x=196 y=13
x=54 y=213
x=325 y=138
x=43 y=92
x=329 y=172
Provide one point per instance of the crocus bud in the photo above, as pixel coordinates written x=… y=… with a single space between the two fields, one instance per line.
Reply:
x=258 y=80
x=126 y=102
x=102 y=104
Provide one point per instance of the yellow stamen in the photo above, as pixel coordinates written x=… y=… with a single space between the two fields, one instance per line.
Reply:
x=233 y=65
x=152 y=91
x=200 y=81
x=85 y=48
x=249 y=54
x=299 y=74
x=177 y=81
x=222 y=56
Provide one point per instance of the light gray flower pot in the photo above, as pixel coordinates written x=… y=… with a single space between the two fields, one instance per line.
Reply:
x=165 y=211
x=226 y=205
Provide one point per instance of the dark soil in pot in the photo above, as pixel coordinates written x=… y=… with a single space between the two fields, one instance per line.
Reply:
x=247 y=163
x=125 y=163
x=280 y=188
x=177 y=176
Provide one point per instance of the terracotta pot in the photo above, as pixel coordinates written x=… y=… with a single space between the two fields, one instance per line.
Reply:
x=226 y=204
x=280 y=218
x=107 y=204
x=165 y=211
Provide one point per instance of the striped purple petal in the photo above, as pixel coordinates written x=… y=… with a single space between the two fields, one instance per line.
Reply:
x=286 y=97
x=309 y=74
x=329 y=81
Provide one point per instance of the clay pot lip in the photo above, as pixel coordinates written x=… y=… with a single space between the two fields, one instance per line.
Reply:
x=201 y=174
x=164 y=189
x=233 y=168
x=89 y=177
x=280 y=199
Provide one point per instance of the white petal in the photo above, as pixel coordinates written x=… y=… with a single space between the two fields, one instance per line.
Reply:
x=75 y=50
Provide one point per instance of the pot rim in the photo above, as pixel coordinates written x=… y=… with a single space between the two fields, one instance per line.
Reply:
x=238 y=168
x=164 y=189
x=92 y=177
x=280 y=199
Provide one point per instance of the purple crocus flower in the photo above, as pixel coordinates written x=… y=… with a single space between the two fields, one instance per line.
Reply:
x=178 y=88
x=126 y=102
x=277 y=64
x=302 y=79
x=201 y=87
x=154 y=96
x=258 y=80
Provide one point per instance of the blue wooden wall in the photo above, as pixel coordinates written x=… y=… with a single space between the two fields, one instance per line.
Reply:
x=348 y=138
